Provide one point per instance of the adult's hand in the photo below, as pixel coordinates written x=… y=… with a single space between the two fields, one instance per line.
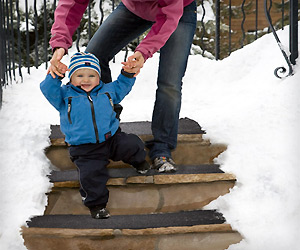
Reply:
x=134 y=63
x=57 y=67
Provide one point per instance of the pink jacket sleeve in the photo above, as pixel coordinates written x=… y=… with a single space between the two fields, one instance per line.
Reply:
x=166 y=22
x=67 y=18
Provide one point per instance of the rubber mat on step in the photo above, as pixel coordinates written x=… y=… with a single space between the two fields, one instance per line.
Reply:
x=180 y=219
x=185 y=126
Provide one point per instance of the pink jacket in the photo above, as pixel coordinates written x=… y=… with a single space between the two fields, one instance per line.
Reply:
x=165 y=14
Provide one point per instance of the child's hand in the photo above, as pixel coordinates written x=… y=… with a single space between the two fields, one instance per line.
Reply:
x=134 y=63
x=57 y=67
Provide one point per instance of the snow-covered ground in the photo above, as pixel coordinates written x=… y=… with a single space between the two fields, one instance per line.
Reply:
x=238 y=101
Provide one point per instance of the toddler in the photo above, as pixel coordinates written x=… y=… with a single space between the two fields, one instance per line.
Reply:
x=88 y=120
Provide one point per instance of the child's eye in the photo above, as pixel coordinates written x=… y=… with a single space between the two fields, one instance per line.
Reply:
x=92 y=76
x=79 y=75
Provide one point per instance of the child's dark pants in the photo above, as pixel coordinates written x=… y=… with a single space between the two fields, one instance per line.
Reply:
x=92 y=160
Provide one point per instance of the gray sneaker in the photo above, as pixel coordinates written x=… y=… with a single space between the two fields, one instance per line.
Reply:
x=164 y=164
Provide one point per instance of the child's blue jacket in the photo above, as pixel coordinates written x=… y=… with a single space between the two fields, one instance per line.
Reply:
x=86 y=117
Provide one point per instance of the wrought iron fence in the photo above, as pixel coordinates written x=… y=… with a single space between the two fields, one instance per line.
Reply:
x=223 y=27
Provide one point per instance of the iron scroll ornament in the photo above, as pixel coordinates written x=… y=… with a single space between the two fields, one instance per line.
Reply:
x=281 y=69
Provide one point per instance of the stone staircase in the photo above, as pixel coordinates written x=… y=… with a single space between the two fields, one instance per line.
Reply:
x=158 y=211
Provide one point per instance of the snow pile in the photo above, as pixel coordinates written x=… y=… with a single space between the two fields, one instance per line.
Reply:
x=24 y=134
x=241 y=103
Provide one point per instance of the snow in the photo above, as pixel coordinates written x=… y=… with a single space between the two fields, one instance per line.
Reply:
x=238 y=101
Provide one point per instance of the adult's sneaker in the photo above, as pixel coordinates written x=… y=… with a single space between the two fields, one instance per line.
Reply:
x=164 y=164
x=99 y=212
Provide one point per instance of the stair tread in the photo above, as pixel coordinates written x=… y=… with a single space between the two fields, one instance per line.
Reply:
x=185 y=126
x=72 y=175
x=140 y=221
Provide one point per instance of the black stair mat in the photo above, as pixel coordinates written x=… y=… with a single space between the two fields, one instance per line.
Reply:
x=142 y=221
x=72 y=175
x=185 y=126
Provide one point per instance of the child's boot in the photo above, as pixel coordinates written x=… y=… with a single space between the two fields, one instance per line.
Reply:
x=143 y=167
x=99 y=212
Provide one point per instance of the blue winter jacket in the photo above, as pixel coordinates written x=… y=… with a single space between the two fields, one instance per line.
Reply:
x=86 y=117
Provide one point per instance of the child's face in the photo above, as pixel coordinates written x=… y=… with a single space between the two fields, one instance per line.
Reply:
x=87 y=79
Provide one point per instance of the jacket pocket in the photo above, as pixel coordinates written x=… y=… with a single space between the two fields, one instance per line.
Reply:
x=69 y=109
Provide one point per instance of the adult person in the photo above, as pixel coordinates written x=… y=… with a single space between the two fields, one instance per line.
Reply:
x=172 y=25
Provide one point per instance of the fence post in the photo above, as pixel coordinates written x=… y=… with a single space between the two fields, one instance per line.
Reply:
x=45 y=34
x=293 y=31
x=217 y=38
x=27 y=37
x=279 y=69
x=2 y=47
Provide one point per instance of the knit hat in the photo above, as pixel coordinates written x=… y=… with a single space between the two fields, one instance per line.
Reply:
x=82 y=60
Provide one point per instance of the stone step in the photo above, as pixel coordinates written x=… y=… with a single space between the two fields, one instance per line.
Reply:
x=192 y=149
x=200 y=229
x=190 y=188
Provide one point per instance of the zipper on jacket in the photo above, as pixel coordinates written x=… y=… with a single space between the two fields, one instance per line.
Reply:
x=94 y=117
x=69 y=109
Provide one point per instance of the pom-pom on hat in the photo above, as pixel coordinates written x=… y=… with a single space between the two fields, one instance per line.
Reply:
x=82 y=60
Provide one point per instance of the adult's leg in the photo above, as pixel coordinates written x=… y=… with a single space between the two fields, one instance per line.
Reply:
x=119 y=29
x=91 y=161
x=172 y=65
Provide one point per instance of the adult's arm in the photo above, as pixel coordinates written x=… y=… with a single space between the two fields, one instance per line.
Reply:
x=67 y=17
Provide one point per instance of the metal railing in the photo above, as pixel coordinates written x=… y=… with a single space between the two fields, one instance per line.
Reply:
x=223 y=27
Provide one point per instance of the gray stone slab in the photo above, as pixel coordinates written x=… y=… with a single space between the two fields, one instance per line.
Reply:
x=142 y=221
